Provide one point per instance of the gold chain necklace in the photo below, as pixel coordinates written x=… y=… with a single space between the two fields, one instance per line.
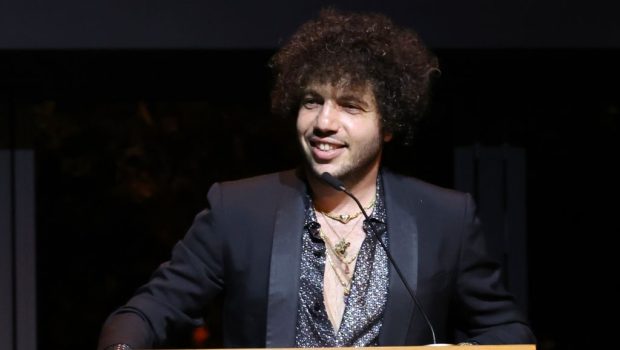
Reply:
x=344 y=281
x=341 y=247
x=346 y=218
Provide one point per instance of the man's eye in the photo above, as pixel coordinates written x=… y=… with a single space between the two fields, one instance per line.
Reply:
x=310 y=104
x=352 y=109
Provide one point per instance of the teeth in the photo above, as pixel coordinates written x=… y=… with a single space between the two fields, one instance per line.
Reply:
x=325 y=147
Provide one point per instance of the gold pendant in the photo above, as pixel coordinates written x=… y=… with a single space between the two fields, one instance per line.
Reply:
x=347 y=291
x=345 y=218
x=341 y=248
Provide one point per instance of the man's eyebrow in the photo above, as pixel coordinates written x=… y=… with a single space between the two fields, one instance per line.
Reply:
x=353 y=98
x=310 y=92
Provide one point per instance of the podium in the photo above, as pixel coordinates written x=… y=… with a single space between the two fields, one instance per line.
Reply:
x=424 y=347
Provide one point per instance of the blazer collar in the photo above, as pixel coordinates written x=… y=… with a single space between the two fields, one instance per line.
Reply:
x=403 y=245
x=283 y=294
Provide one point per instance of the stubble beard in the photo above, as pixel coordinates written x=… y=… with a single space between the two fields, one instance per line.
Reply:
x=354 y=168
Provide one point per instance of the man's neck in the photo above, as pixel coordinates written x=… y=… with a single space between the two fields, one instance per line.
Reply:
x=328 y=199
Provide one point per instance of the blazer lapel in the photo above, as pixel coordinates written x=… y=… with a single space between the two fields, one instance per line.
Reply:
x=403 y=245
x=284 y=275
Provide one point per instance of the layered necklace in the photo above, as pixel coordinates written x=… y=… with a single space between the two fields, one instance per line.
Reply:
x=340 y=258
x=341 y=264
x=341 y=267
x=340 y=248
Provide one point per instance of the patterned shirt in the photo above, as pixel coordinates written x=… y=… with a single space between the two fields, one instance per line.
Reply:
x=364 y=306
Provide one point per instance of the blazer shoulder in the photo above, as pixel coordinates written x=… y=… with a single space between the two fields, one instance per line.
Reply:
x=262 y=182
x=260 y=187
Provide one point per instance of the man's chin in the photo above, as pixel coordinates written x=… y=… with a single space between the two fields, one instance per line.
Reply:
x=318 y=169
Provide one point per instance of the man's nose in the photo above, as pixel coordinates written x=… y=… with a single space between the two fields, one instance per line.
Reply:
x=327 y=119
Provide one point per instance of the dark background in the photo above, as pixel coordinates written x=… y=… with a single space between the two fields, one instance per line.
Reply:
x=135 y=109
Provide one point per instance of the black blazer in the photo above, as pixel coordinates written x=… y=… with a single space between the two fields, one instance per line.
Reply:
x=247 y=246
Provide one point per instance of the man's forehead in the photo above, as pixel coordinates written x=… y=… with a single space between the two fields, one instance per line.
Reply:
x=341 y=89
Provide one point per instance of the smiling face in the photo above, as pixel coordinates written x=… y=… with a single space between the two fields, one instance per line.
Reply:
x=340 y=131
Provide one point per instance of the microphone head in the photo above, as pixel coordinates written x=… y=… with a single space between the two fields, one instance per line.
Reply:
x=333 y=182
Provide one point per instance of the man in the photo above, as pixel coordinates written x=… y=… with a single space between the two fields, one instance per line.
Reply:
x=295 y=260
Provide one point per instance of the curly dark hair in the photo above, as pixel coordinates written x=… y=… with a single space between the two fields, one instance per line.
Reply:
x=363 y=49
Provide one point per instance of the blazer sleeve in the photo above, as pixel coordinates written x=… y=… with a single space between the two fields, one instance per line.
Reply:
x=486 y=312
x=179 y=290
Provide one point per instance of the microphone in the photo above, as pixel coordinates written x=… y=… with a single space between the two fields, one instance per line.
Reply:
x=338 y=185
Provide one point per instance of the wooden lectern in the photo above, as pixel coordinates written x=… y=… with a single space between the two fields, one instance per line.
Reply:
x=425 y=347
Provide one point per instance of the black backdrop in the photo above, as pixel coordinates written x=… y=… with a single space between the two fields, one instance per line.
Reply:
x=135 y=108
x=128 y=141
